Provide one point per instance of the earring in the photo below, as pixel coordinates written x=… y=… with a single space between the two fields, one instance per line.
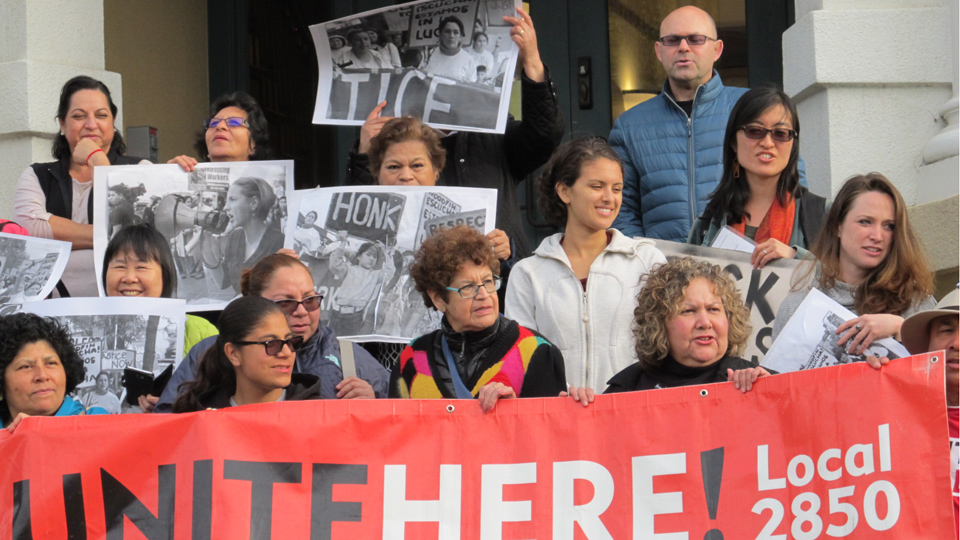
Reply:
x=736 y=170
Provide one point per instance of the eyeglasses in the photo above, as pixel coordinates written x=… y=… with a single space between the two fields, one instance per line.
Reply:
x=780 y=135
x=310 y=303
x=693 y=39
x=274 y=346
x=232 y=122
x=471 y=291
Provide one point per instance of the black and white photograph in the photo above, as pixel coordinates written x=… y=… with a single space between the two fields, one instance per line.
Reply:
x=810 y=340
x=111 y=334
x=219 y=219
x=450 y=63
x=359 y=244
x=29 y=269
x=762 y=289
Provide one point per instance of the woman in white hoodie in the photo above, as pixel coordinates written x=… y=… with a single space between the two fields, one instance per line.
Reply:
x=580 y=287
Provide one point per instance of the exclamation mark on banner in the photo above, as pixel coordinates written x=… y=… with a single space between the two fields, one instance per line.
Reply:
x=711 y=467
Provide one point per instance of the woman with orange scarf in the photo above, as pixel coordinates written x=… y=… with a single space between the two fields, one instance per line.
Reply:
x=760 y=194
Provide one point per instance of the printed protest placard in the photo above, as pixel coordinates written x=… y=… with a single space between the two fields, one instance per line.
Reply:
x=799 y=456
x=810 y=340
x=29 y=269
x=763 y=290
x=212 y=217
x=113 y=333
x=448 y=62
x=359 y=242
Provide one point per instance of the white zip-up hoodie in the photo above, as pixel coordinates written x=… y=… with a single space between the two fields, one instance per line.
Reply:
x=592 y=328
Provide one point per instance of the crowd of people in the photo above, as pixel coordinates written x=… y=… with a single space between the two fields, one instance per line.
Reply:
x=595 y=308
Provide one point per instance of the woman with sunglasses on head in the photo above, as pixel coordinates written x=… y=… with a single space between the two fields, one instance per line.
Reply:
x=760 y=194
x=476 y=353
x=52 y=200
x=287 y=282
x=251 y=362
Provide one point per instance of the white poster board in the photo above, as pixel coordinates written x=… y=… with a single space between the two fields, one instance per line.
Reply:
x=374 y=299
x=111 y=334
x=29 y=269
x=456 y=88
x=809 y=339
x=207 y=215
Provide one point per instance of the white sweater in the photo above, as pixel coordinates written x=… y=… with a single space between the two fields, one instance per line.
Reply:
x=592 y=328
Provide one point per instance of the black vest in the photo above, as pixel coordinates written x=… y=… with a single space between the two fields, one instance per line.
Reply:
x=57 y=186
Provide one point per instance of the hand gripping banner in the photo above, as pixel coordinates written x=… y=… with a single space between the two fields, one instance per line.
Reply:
x=840 y=452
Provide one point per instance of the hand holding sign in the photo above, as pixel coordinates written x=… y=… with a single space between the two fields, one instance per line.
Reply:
x=371 y=128
x=525 y=37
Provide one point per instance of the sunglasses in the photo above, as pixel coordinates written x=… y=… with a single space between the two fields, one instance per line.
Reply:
x=274 y=346
x=780 y=135
x=693 y=39
x=232 y=122
x=310 y=303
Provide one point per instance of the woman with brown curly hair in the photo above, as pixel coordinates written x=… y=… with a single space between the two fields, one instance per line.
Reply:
x=690 y=326
x=580 y=287
x=870 y=262
x=477 y=353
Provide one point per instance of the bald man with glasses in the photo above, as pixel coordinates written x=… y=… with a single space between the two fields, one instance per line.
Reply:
x=672 y=145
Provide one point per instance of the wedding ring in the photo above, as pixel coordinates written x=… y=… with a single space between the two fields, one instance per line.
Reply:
x=764 y=252
x=521 y=31
x=857 y=326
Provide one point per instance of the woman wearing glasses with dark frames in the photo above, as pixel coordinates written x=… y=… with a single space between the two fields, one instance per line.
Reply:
x=252 y=361
x=760 y=194
x=237 y=130
x=476 y=353
x=287 y=282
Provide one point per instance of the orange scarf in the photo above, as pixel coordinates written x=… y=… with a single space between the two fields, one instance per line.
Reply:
x=778 y=223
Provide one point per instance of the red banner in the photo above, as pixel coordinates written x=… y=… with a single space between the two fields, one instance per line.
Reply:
x=834 y=452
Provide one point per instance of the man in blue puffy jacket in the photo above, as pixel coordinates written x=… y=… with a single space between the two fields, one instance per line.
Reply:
x=671 y=145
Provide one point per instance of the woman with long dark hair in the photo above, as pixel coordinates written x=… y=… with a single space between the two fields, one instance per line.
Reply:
x=53 y=199
x=759 y=194
x=252 y=361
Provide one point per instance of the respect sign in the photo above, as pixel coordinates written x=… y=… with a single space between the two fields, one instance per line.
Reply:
x=798 y=456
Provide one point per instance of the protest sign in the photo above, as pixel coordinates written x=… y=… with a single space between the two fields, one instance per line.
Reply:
x=208 y=215
x=29 y=269
x=373 y=298
x=810 y=339
x=110 y=334
x=798 y=456
x=763 y=289
x=396 y=55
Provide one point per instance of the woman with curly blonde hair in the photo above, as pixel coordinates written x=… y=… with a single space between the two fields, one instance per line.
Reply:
x=690 y=326
x=476 y=353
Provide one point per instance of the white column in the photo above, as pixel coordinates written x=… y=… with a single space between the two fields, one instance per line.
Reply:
x=43 y=43
x=869 y=78
x=875 y=83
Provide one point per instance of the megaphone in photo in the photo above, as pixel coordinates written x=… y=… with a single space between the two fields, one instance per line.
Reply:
x=174 y=216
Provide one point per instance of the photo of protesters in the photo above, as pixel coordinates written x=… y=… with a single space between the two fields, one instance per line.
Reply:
x=463 y=55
